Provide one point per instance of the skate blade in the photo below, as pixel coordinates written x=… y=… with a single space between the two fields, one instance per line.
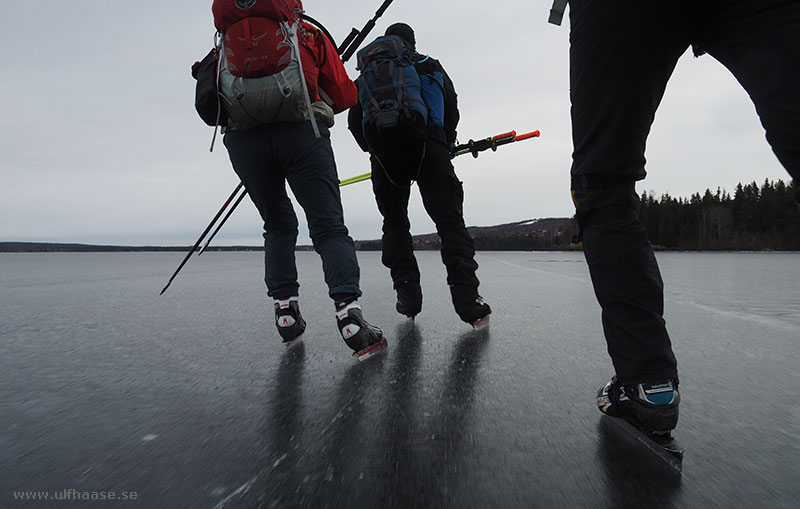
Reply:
x=370 y=350
x=667 y=449
x=293 y=342
x=481 y=323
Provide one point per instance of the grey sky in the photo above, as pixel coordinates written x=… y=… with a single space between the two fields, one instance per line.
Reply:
x=100 y=142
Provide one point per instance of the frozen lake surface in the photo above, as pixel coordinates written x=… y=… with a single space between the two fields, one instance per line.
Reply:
x=189 y=399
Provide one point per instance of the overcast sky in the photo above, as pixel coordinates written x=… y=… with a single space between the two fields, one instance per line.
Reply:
x=100 y=142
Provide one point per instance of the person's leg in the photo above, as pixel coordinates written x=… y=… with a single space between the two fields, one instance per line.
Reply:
x=759 y=42
x=310 y=169
x=443 y=198
x=254 y=163
x=392 y=198
x=622 y=52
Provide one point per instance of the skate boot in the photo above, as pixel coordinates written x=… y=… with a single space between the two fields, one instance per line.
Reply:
x=650 y=407
x=288 y=319
x=470 y=306
x=365 y=339
x=409 y=298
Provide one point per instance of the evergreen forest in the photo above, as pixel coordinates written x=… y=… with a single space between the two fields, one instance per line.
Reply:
x=753 y=218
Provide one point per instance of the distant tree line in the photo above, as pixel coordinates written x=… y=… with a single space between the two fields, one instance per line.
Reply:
x=553 y=234
x=752 y=219
x=49 y=247
x=545 y=240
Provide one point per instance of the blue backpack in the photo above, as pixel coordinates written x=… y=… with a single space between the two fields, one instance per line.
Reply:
x=432 y=92
x=390 y=94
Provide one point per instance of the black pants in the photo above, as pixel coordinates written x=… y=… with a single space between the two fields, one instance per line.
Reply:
x=443 y=198
x=265 y=158
x=622 y=53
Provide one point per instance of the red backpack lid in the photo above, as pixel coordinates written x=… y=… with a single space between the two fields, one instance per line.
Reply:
x=228 y=12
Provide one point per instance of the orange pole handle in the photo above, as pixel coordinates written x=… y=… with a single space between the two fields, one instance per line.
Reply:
x=532 y=134
x=509 y=134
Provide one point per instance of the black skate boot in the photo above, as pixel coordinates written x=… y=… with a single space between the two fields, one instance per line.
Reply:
x=409 y=298
x=365 y=339
x=470 y=306
x=288 y=319
x=652 y=408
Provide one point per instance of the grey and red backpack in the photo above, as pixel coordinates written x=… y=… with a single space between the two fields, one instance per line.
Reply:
x=255 y=74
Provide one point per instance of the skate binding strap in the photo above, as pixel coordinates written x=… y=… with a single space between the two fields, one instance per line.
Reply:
x=370 y=350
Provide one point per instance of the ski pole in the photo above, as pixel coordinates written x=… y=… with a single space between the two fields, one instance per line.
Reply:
x=357 y=178
x=202 y=236
x=356 y=37
x=471 y=147
x=350 y=44
x=219 y=226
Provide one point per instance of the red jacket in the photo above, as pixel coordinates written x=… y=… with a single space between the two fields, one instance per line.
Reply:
x=324 y=70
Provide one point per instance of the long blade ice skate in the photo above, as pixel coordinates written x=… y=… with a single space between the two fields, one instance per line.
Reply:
x=665 y=448
x=481 y=323
x=292 y=342
x=370 y=350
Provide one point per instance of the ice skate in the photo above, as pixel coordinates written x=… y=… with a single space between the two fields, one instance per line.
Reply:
x=365 y=339
x=409 y=298
x=470 y=306
x=648 y=412
x=288 y=320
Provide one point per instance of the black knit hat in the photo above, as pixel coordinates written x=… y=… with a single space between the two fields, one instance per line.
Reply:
x=404 y=31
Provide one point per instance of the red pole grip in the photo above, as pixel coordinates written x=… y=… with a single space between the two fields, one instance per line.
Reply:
x=532 y=134
x=509 y=134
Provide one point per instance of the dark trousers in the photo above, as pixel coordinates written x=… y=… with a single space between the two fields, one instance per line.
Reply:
x=265 y=158
x=622 y=53
x=443 y=199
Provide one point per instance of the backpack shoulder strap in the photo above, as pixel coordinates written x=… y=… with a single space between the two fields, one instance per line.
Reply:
x=293 y=37
x=557 y=11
